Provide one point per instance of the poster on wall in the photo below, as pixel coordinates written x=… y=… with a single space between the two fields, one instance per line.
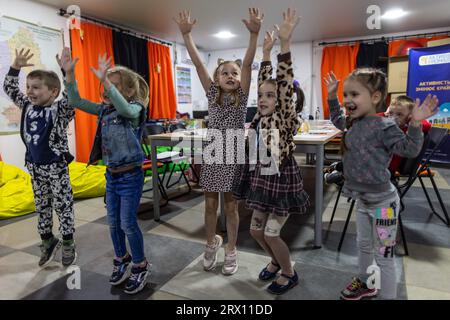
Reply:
x=429 y=73
x=43 y=42
x=184 y=88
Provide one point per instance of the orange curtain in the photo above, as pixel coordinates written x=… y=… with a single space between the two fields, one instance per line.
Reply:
x=87 y=43
x=399 y=47
x=162 y=89
x=341 y=60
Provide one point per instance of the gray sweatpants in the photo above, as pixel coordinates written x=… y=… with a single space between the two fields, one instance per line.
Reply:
x=376 y=222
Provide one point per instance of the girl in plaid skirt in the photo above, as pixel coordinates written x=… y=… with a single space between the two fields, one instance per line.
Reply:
x=274 y=188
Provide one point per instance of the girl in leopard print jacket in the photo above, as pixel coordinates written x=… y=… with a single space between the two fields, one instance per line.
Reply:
x=274 y=194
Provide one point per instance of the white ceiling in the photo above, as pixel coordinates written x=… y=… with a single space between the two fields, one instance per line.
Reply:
x=321 y=19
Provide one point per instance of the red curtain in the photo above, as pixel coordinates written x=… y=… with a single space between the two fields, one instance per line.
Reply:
x=87 y=43
x=162 y=89
x=399 y=47
x=341 y=60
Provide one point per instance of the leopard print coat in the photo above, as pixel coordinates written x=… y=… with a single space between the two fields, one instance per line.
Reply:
x=284 y=118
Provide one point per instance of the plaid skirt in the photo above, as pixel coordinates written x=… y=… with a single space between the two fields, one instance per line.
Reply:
x=281 y=194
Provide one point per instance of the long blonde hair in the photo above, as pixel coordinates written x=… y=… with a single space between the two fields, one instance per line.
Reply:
x=131 y=80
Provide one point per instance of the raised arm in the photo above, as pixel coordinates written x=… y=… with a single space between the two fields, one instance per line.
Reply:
x=409 y=145
x=123 y=107
x=11 y=83
x=253 y=25
x=65 y=109
x=337 y=114
x=285 y=74
x=266 y=69
x=185 y=24
x=68 y=65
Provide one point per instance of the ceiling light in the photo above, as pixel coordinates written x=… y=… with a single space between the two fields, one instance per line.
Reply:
x=224 y=35
x=394 y=14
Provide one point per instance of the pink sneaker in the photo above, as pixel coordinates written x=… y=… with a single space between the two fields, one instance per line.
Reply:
x=210 y=255
x=230 y=265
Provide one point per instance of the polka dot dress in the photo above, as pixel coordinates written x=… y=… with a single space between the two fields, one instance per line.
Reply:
x=221 y=175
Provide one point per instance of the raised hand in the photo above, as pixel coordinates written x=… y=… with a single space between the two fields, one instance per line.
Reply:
x=65 y=62
x=103 y=66
x=429 y=107
x=22 y=59
x=255 y=20
x=269 y=41
x=290 y=21
x=332 y=84
x=185 y=24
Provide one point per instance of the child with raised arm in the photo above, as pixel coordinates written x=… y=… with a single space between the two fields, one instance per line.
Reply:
x=227 y=93
x=369 y=142
x=43 y=130
x=121 y=117
x=274 y=188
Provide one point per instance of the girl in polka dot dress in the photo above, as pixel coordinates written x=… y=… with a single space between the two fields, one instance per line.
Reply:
x=227 y=94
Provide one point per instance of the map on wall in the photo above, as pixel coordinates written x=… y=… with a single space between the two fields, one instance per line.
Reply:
x=184 y=88
x=43 y=42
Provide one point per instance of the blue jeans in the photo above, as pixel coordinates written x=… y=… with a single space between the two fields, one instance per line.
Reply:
x=123 y=194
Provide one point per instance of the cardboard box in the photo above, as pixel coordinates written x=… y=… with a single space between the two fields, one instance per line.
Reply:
x=440 y=42
x=397 y=74
x=395 y=95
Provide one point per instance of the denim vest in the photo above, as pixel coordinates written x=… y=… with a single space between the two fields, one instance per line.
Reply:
x=117 y=142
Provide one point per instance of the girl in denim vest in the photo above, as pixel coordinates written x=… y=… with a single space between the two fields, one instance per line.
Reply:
x=121 y=116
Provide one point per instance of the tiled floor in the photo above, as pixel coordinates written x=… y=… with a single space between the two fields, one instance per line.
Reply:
x=175 y=245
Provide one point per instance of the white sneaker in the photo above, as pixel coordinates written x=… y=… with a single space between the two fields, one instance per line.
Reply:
x=230 y=265
x=210 y=255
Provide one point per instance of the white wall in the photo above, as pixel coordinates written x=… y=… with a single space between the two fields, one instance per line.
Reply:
x=198 y=94
x=12 y=148
x=302 y=61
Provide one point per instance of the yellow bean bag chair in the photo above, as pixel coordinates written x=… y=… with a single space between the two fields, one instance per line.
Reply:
x=87 y=182
x=16 y=193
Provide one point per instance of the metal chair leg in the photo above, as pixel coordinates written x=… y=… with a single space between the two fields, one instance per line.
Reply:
x=346 y=225
x=335 y=205
x=402 y=233
x=182 y=175
x=427 y=196
x=438 y=194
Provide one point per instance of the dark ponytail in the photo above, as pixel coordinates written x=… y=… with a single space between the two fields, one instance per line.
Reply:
x=300 y=102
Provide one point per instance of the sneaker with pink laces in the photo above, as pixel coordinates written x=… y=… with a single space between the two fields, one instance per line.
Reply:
x=210 y=255
x=230 y=265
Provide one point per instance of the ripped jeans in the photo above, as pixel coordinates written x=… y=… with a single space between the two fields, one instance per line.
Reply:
x=376 y=221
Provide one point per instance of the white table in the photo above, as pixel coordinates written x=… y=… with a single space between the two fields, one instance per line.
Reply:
x=322 y=131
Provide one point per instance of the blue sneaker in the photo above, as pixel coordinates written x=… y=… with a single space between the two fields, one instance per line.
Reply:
x=276 y=288
x=138 y=279
x=266 y=275
x=121 y=271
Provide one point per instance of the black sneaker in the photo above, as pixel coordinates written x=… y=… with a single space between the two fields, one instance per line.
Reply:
x=357 y=290
x=121 y=271
x=138 y=279
x=48 y=251
x=69 y=255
